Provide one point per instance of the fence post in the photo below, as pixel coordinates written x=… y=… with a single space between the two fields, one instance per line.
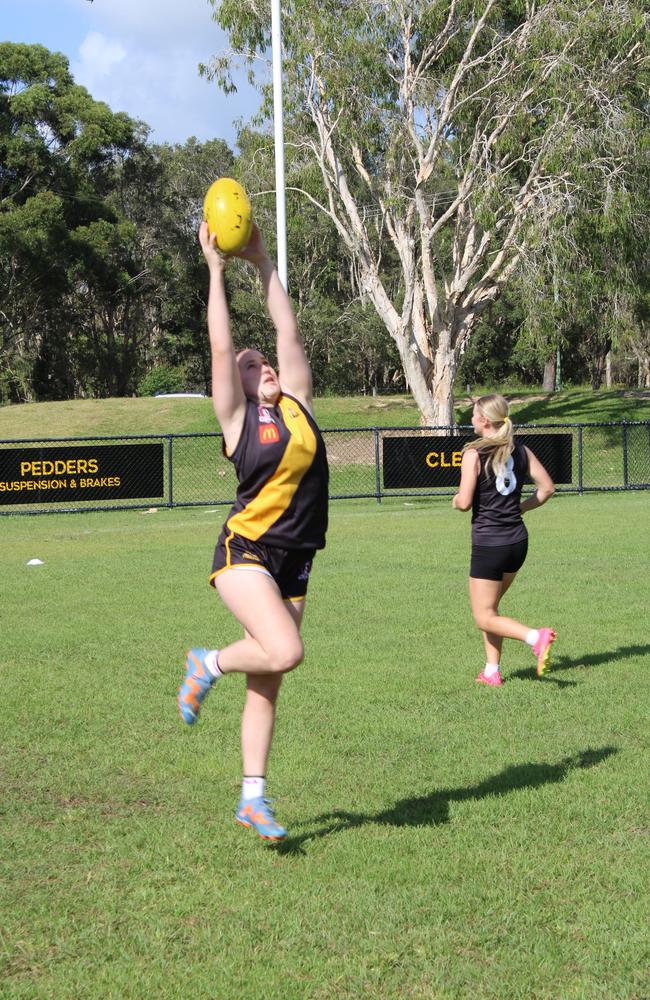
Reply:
x=170 y=478
x=377 y=474
x=580 y=481
x=625 y=469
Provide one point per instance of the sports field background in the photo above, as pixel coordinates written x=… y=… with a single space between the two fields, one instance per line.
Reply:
x=606 y=453
x=167 y=415
x=445 y=840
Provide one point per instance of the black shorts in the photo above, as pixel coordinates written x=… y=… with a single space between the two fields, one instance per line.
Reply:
x=490 y=562
x=290 y=568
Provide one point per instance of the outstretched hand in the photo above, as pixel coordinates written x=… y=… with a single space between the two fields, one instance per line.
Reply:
x=255 y=250
x=214 y=258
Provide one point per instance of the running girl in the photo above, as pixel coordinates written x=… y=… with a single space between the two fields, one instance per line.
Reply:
x=493 y=470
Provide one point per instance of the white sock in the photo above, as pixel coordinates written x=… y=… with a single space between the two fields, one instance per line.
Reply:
x=490 y=669
x=532 y=637
x=252 y=787
x=211 y=661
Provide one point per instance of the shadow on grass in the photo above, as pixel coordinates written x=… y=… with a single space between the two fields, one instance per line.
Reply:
x=592 y=660
x=577 y=407
x=433 y=809
x=530 y=674
x=572 y=407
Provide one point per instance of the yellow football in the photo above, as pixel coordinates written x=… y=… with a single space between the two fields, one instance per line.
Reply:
x=228 y=213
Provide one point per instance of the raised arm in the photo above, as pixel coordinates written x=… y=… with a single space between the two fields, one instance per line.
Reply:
x=227 y=393
x=294 y=371
x=543 y=482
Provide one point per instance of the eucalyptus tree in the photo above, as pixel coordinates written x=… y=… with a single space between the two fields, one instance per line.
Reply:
x=583 y=286
x=634 y=322
x=448 y=132
x=343 y=337
x=638 y=337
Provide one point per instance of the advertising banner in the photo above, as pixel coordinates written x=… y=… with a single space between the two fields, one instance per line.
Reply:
x=60 y=474
x=435 y=461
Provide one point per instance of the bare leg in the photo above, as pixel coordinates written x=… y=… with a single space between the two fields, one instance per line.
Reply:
x=272 y=644
x=258 y=717
x=484 y=598
x=491 y=640
x=492 y=645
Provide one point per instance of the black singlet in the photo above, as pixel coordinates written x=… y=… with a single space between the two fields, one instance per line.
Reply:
x=496 y=508
x=281 y=466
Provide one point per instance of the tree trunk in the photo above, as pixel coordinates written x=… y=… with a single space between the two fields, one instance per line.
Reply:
x=597 y=369
x=429 y=379
x=598 y=364
x=643 y=362
x=548 y=380
x=442 y=387
x=608 y=369
x=644 y=372
x=418 y=386
x=430 y=384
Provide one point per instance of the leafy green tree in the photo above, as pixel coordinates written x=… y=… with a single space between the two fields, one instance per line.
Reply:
x=583 y=289
x=449 y=131
x=488 y=358
x=160 y=190
x=103 y=279
x=57 y=149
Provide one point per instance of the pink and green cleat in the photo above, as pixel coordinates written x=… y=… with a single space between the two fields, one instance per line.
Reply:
x=542 y=650
x=494 y=680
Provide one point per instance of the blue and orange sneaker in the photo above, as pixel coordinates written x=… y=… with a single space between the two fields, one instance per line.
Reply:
x=542 y=649
x=197 y=683
x=258 y=814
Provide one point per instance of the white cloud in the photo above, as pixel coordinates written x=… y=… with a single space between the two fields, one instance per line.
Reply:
x=142 y=57
x=153 y=23
x=99 y=55
x=165 y=93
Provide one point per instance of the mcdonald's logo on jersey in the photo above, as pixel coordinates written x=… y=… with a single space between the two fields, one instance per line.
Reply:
x=269 y=434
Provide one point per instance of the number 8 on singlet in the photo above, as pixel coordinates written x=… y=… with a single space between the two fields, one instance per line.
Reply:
x=506 y=482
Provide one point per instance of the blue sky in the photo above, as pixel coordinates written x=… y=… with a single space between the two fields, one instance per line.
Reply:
x=139 y=56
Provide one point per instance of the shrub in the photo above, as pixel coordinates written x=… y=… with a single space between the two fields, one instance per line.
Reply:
x=163 y=378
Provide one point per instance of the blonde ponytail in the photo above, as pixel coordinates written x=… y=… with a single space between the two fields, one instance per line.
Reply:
x=500 y=445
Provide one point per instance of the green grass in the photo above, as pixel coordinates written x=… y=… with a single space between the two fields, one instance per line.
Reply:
x=573 y=406
x=446 y=840
x=101 y=417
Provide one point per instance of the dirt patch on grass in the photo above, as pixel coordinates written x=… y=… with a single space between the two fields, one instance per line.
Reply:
x=351 y=449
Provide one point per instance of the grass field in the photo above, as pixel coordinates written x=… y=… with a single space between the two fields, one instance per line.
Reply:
x=97 y=417
x=445 y=840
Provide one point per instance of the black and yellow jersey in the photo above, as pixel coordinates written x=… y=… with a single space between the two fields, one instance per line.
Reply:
x=281 y=467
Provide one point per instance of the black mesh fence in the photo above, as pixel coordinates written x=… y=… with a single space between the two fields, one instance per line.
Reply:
x=398 y=461
x=106 y=473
